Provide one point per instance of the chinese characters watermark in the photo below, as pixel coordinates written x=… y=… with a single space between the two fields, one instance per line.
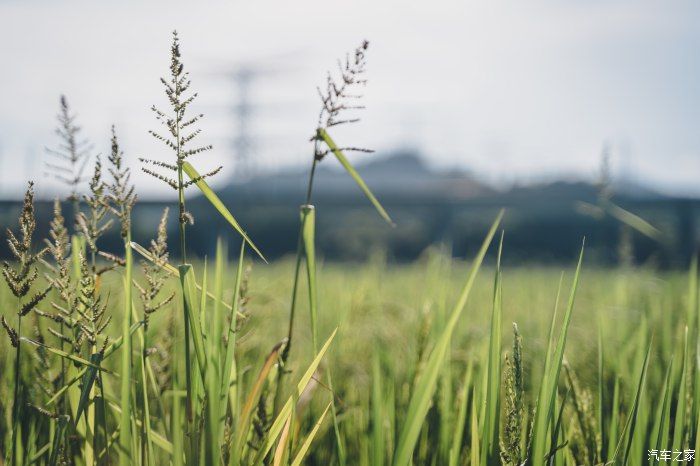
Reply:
x=671 y=455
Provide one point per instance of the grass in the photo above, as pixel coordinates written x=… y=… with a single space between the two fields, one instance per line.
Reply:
x=381 y=312
x=192 y=362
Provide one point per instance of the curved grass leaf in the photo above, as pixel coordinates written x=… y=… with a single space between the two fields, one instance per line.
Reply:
x=218 y=205
x=323 y=134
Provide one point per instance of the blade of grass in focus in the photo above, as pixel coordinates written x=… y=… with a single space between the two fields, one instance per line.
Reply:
x=548 y=387
x=125 y=453
x=489 y=447
x=286 y=411
x=299 y=458
x=218 y=205
x=425 y=387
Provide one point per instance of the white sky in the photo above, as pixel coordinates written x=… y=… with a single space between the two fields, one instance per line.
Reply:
x=514 y=91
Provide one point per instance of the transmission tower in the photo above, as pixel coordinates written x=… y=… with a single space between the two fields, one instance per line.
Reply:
x=243 y=141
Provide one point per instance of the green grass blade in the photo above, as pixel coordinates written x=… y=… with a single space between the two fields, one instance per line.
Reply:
x=614 y=419
x=456 y=447
x=474 y=454
x=215 y=321
x=301 y=454
x=160 y=441
x=192 y=308
x=172 y=270
x=426 y=384
x=218 y=205
x=61 y=424
x=660 y=430
x=323 y=134
x=87 y=383
x=548 y=387
x=634 y=221
x=556 y=433
x=245 y=420
x=378 y=447
x=679 y=426
x=111 y=348
x=228 y=370
x=286 y=411
x=625 y=443
x=308 y=233
x=125 y=454
x=77 y=359
x=489 y=447
x=212 y=383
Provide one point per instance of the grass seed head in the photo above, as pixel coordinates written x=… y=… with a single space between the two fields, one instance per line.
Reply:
x=121 y=195
x=70 y=157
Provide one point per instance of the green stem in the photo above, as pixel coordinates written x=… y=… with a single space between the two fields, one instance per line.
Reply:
x=311 y=176
x=16 y=406
x=125 y=457
x=285 y=353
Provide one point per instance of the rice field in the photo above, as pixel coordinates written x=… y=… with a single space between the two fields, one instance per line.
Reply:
x=140 y=356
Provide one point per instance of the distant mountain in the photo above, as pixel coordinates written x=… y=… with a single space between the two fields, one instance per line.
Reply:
x=404 y=174
x=400 y=173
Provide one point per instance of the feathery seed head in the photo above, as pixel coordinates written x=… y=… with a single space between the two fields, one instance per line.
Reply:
x=178 y=135
x=70 y=157
x=122 y=194
x=21 y=278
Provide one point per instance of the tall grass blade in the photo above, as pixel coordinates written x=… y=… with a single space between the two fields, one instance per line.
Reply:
x=458 y=434
x=378 y=448
x=301 y=454
x=548 y=387
x=660 y=431
x=192 y=308
x=681 y=407
x=475 y=456
x=308 y=233
x=245 y=420
x=87 y=384
x=625 y=443
x=489 y=447
x=286 y=411
x=425 y=386
x=125 y=454
x=228 y=372
x=281 y=452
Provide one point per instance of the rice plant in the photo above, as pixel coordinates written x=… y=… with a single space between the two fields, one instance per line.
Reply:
x=211 y=361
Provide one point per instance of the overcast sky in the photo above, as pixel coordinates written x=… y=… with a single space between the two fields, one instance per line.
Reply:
x=514 y=91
